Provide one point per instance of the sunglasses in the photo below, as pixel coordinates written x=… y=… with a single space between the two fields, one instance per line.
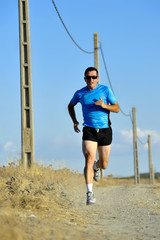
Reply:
x=89 y=77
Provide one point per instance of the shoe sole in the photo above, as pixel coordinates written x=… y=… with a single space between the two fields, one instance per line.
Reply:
x=90 y=203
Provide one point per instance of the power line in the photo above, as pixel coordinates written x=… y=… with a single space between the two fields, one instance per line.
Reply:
x=129 y=114
x=68 y=31
x=105 y=66
x=143 y=143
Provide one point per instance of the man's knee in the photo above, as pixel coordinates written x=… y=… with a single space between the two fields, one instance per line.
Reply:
x=89 y=159
x=89 y=164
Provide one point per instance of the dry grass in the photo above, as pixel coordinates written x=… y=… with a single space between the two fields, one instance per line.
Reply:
x=38 y=193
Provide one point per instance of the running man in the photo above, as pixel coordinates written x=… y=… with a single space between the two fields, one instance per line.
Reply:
x=97 y=102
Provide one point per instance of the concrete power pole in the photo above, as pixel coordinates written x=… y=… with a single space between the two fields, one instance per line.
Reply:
x=96 y=58
x=135 y=148
x=27 y=140
x=151 y=169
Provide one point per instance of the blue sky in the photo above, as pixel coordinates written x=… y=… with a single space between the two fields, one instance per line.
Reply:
x=130 y=36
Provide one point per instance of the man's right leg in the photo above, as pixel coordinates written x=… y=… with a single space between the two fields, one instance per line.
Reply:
x=89 y=151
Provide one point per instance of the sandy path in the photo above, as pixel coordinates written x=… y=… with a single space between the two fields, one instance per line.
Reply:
x=128 y=212
x=121 y=212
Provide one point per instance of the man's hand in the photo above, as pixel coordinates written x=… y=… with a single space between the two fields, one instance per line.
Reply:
x=113 y=107
x=100 y=103
x=76 y=129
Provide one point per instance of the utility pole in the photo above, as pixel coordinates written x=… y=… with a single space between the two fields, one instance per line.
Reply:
x=27 y=140
x=96 y=65
x=135 y=148
x=96 y=58
x=151 y=169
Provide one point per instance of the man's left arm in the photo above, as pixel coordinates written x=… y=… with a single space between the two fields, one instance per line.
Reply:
x=112 y=108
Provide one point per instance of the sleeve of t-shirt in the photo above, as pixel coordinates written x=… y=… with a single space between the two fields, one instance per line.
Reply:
x=75 y=99
x=111 y=98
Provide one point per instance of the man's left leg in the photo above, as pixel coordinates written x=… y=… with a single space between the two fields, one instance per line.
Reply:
x=104 y=153
x=104 y=147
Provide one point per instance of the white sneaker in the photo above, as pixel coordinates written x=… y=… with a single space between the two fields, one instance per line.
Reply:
x=90 y=198
x=97 y=172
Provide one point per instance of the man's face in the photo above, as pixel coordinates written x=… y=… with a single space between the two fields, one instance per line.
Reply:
x=91 y=79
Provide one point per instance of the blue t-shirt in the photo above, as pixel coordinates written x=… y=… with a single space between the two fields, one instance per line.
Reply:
x=94 y=116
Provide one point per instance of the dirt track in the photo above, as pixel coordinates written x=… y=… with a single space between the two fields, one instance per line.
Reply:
x=50 y=205
x=121 y=212
x=130 y=212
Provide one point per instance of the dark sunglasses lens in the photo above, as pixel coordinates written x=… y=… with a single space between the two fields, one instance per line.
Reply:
x=89 y=77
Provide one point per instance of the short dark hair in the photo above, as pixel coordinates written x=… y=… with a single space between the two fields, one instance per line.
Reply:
x=89 y=69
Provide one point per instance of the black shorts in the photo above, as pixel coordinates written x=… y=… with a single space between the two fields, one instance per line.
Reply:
x=102 y=136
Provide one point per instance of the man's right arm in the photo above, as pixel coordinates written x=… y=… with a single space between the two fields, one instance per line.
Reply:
x=73 y=116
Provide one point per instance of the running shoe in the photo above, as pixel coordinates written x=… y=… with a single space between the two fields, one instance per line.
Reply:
x=90 y=198
x=97 y=172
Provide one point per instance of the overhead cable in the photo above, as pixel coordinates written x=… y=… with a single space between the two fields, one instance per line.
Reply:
x=129 y=114
x=68 y=31
x=125 y=114
x=143 y=143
